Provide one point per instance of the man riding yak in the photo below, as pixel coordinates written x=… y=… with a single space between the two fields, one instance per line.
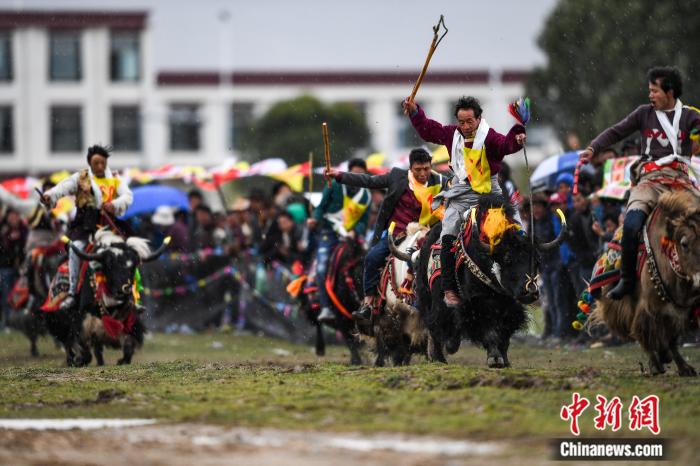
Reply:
x=344 y=211
x=476 y=151
x=409 y=197
x=666 y=126
x=100 y=196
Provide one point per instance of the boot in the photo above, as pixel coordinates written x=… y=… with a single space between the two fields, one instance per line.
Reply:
x=365 y=311
x=67 y=303
x=634 y=221
x=449 y=280
x=326 y=315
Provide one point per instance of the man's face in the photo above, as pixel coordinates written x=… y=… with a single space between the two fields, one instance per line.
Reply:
x=467 y=122
x=358 y=169
x=421 y=171
x=98 y=165
x=659 y=99
x=564 y=189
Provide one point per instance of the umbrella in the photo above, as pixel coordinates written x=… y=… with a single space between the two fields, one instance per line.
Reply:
x=546 y=173
x=148 y=198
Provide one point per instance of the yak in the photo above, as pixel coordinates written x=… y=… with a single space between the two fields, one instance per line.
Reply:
x=105 y=313
x=398 y=330
x=660 y=310
x=343 y=281
x=31 y=290
x=495 y=281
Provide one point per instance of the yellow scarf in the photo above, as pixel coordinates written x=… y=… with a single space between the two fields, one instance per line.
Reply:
x=474 y=165
x=108 y=187
x=424 y=195
x=353 y=208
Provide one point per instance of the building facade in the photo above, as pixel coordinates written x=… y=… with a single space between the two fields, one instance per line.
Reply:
x=72 y=79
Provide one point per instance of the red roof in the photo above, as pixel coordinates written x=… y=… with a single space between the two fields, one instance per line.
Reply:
x=73 y=19
x=189 y=78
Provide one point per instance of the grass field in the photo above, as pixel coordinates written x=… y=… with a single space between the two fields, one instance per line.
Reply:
x=235 y=380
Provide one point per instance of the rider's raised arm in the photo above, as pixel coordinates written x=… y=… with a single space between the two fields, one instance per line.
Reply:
x=123 y=200
x=616 y=133
x=500 y=145
x=67 y=187
x=363 y=180
x=431 y=130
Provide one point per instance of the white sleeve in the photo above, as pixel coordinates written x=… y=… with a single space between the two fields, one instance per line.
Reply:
x=64 y=188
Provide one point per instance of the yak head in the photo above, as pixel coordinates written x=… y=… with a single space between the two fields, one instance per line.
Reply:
x=118 y=259
x=506 y=254
x=680 y=244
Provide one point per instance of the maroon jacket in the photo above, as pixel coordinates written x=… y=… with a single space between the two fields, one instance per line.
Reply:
x=644 y=120
x=497 y=145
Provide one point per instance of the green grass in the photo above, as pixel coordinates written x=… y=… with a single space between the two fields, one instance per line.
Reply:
x=245 y=381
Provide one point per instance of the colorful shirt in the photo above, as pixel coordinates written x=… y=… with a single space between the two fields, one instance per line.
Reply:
x=497 y=145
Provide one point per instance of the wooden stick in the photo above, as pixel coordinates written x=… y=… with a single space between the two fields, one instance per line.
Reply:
x=327 y=149
x=311 y=172
x=431 y=51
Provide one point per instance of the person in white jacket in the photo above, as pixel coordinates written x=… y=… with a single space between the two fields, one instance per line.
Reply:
x=100 y=196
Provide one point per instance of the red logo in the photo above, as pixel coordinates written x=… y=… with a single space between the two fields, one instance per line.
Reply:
x=645 y=413
x=609 y=413
x=573 y=411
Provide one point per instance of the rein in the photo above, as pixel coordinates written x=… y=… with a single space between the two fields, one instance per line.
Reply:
x=654 y=274
x=474 y=269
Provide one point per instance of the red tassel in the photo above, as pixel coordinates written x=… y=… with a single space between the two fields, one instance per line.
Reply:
x=112 y=326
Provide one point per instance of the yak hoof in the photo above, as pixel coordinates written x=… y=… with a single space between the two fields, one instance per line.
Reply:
x=495 y=362
x=687 y=371
x=655 y=368
x=452 y=344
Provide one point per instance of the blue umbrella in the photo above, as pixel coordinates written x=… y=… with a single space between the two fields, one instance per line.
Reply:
x=148 y=198
x=546 y=173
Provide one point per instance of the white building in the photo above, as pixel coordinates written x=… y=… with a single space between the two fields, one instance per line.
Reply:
x=72 y=79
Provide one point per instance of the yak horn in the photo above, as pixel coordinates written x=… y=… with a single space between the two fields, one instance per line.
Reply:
x=557 y=241
x=404 y=256
x=86 y=256
x=155 y=254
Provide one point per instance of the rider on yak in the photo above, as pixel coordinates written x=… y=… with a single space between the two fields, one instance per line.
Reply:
x=408 y=199
x=343 y=210
x=476 y=151
x=666 y=126
x=100 y=197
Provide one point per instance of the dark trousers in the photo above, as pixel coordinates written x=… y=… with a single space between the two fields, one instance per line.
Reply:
x=374 y=263
x=325 y=244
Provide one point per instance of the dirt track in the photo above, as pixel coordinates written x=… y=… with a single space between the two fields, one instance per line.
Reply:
x=187 y=444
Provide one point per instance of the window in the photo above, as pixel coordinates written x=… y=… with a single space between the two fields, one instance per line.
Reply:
x=7 y=141
x=66 y=129
x=241 y=124
x=5 y=56
x=184 y=127
x=126 y=128
x=124 y=56
x=407 y=136
x=65 y=63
